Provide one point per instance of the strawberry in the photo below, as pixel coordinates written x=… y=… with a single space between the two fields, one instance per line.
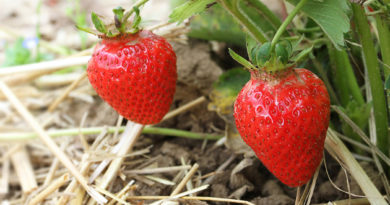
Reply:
x=283 y=116
x=133 y=71
x=135 y=74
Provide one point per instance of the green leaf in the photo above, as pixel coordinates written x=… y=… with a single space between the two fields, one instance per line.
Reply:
x=241 y=60
x=218 y=25
x=387 y=83
x=188 y=9
x=331 y=16
x=226 y=89
x=16 y=54
x=99 y=25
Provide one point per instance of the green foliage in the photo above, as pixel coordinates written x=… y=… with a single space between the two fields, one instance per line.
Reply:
x=216 y=24
x=359 y=114
x=226 y=89
x=17 y=54
x=331 y=16
x=188 y=9
x=75 y=13
x=387 y=83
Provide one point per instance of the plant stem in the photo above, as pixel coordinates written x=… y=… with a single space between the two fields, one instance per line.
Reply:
x=384 y=40
x=128 y=14
x=353 y=86
x=345 y=78
x=339 y=77
x=286 y=22
x=252 y=29
x=7 y=137
x=276 y=22
x=372 y=66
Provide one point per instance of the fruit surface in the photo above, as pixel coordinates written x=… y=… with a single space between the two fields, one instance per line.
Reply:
x=135 y=74
x=284 y=117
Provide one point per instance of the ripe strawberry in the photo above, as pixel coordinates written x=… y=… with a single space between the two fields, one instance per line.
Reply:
x=283 y=117
x=135 y=74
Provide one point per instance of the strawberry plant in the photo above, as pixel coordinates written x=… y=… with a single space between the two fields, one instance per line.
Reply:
x=283 y=112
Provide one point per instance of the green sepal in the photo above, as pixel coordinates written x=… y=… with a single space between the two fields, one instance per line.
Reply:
x=288 y=46
x=302 y=55
x=251 y=44
x=263 y=54
x=99 y=25
x=281 y=53
x=118 y=17
x=137 y=20
x=110 y=34
x=88 y=30
x=241 y=60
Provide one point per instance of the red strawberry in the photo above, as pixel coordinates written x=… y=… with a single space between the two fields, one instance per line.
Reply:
x=135 y=74
x=283 y=117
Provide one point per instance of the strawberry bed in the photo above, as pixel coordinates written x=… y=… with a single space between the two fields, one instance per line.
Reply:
x=61 y=143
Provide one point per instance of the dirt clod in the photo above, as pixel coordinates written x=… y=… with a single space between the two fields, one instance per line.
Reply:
x=272 y=187
x=273 y=200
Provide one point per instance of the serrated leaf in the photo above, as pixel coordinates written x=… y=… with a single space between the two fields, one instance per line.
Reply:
x=99 y=25
x=241 y=60
x=331 y=16
x=188 y=9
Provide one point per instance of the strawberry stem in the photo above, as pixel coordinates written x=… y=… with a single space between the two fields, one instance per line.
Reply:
x=286 y=22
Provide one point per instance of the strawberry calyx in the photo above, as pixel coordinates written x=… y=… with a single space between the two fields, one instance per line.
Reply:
x=270 y=60
x=121 y=25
